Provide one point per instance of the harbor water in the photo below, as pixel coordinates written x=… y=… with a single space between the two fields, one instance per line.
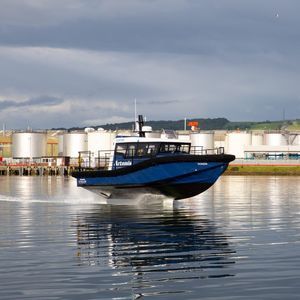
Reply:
x=238 y=240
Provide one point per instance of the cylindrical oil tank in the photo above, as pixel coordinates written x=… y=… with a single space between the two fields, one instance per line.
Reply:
x=100 y=141
x=153 y=134
x=88 y=129
x=257 y=139
x=123 y=132
x=29 y=144
x=74 y=142
x=204 y=140
x=184 y=138
x=295 y=139
x=235 y=143
x=100 y=144
x=219 y=144
x=60 y=144
x=275 y=139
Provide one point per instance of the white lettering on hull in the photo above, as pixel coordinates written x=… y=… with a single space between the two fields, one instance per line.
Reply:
x=123 y=163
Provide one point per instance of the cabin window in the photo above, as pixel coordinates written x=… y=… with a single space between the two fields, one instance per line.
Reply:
x=163 y=148
x=184 y=148
x=152 y=149
x=167 y=148
x=145 y=149
x=142 y=149
x=131 y=150
x=121 y=149
x=174 y=148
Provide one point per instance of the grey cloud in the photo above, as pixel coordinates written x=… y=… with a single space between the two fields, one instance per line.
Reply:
x=230 y=58
x=203 y=27
x=161 y=102
x=42 y=100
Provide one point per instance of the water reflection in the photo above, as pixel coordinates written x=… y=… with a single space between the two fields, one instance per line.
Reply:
x=252 y=200
x=238 y=240
x=44 y=189
x=155 y=247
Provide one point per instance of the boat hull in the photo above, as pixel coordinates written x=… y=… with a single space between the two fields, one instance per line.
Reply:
x=174 y=191
x=178 y=178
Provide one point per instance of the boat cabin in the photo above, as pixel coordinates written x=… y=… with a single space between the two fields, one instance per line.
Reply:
x=131 y=150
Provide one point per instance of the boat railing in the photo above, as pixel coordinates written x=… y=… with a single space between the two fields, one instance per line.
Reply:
x=87 y=160
x=84 y=160
x=104 y=159
x=199 y=150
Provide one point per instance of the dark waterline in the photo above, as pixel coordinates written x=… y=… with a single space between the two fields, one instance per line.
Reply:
x=238 y=240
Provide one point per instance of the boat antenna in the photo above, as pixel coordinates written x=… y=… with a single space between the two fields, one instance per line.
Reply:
x=135 y=119
x=141 y=124
x=136 y=124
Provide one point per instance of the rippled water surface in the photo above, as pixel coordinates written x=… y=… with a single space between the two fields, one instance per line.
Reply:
x=238 y=240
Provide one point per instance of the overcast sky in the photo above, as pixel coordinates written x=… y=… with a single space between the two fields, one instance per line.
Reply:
x=83 y=62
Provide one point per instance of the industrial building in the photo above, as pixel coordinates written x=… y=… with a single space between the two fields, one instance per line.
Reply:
x=61 y=148
x=263 y=145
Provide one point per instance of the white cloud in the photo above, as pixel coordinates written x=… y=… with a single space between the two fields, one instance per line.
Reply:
x=107 y=120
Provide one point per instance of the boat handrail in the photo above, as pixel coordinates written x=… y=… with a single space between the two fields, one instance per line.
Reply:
x=101 y=161
x=199 y=150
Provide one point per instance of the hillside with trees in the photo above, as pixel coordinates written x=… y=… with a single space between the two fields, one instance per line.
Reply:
x=203 y=124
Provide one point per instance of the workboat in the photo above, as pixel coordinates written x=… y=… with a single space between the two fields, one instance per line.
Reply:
x=142 y=165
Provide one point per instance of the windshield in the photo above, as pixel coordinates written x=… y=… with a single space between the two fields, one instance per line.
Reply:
x=147 y=149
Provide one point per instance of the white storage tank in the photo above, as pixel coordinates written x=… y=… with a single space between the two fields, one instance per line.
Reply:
x=88 y=129
x=235 y=143
x=295 y=139
x=153 y=134
x=275 y=139
x=60 y=138
x=100 y=140
x=219 y=144
x=29 y=144
x=100 y=144
x=73 y=143
x=257 y=139
x=204 y=140
x=184 y=137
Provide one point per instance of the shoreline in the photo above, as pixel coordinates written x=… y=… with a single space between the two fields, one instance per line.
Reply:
x=263 y=169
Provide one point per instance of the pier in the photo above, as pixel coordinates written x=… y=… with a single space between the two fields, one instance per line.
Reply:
x=35 y=170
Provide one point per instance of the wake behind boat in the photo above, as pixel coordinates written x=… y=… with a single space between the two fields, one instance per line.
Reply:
x=169 y=167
